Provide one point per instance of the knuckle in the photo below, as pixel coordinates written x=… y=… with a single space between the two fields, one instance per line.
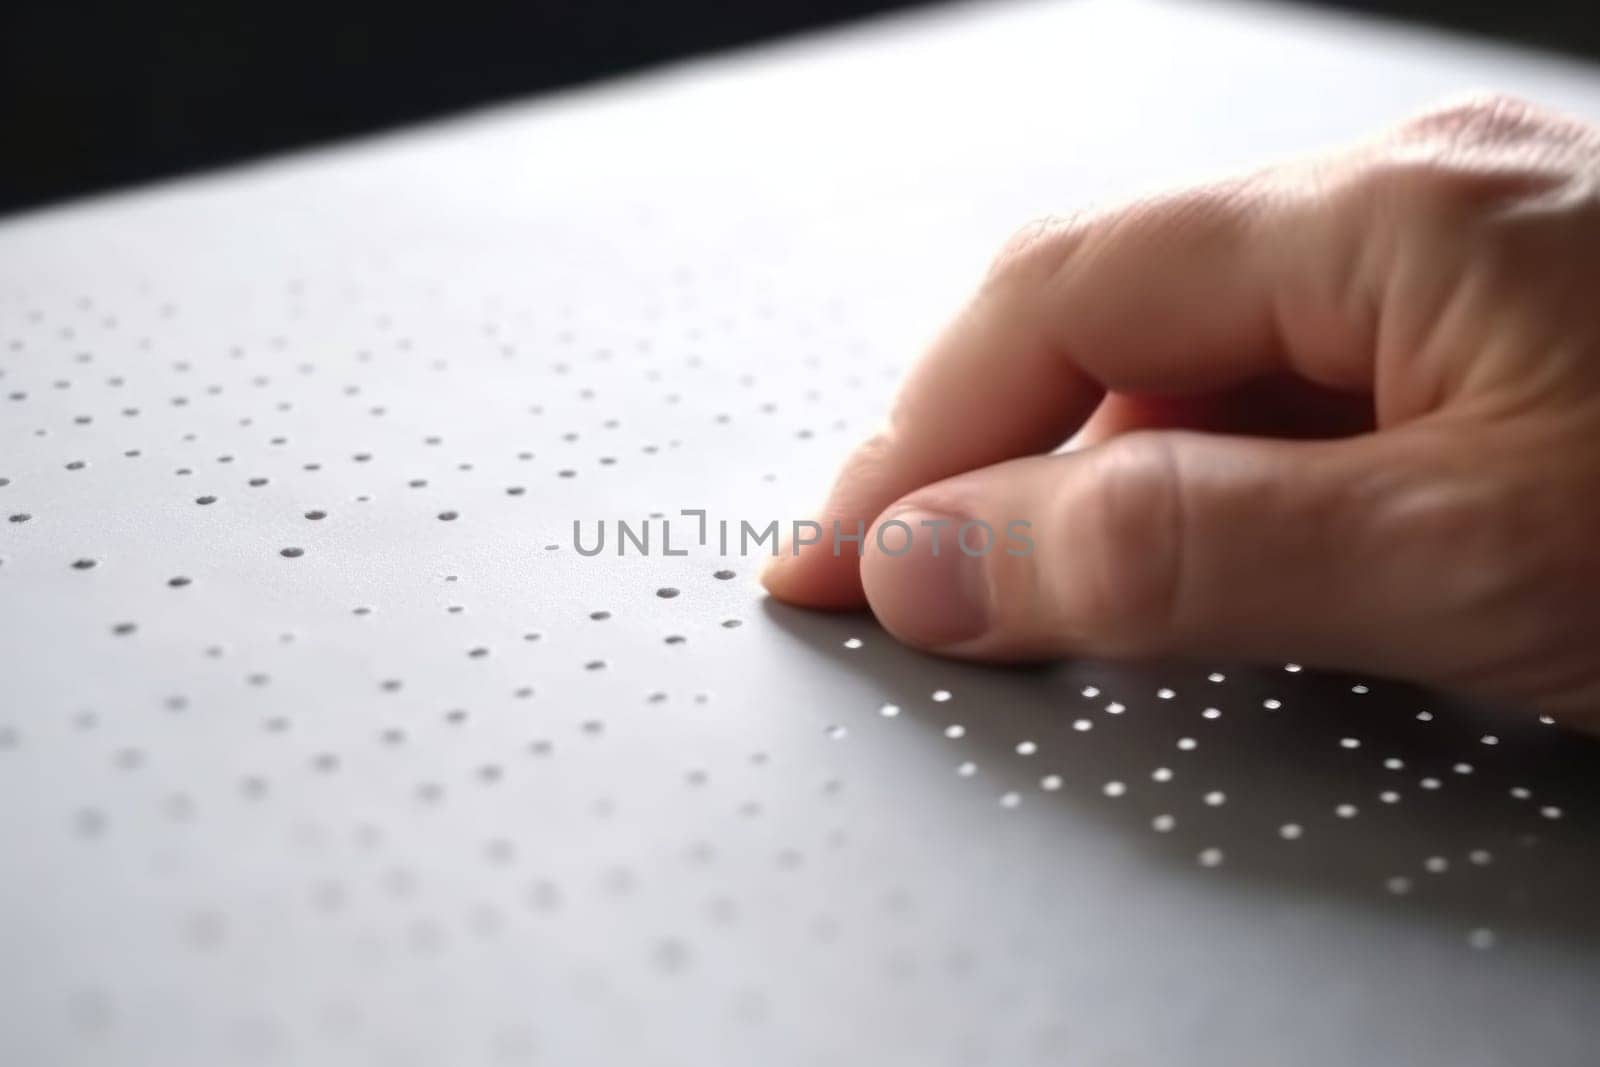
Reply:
x=1118 y=583
x=1472 y=152
x=1477 y=118
x=1036 y=250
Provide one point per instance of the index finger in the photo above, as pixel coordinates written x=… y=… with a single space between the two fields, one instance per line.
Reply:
x=1184 y=293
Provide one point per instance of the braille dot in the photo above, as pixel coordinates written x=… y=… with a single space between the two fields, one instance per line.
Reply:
x=722 y=575
x=1210 y=857
x=123 y=629
x=1050 y=783
x=1163 y=824
x=1114 y=789
x=732 y=624
x=1082 y=725
x=1292 y=668
x=1026 y=748
x=941 y=696
x=292 y=553
x=178 y=582
x=1090 y=691
x=1216 y=676
x=1187 y=744
x=1389 y=796
x=1116 y=708
x=83 y=564
x=316 y=516
x=1290 y=831
x=1216 y=798
x=955 y=731
x=1346 y=811
x=967 y=769
x=205 y=500
x=1165 y=694
x=1161 y=774
x=1489 y=739
x=21 y=516
x=889 y=711
x=1010 y=800
x=666 y=592
x=1550 y=812
x=1398 y=885
x=837 y=733
x=852 y=642
x=1272 y=704
x=1480 y=857
x=1436 y=865
x=448 y=516
x=1481 y=938
x=1211 y=713
x=675 y=639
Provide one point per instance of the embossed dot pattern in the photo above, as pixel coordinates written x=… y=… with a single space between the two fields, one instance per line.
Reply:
x=324 y=739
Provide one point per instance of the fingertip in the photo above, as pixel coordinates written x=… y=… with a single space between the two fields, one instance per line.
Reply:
x=814 y=579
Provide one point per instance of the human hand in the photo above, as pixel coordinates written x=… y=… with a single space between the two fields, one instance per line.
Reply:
x=1343 y=411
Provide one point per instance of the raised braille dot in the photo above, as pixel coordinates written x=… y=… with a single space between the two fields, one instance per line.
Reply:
x=852 y=642
x=292 y=553
x=83 y=564
x=889 y=711
x=1291 y=831
x=1163 y=823
x=448 y=516
x=178 y=582
x=205 y=500
x=722 y=575
x=666 y=592
x=316 y=516
x=1210 y=857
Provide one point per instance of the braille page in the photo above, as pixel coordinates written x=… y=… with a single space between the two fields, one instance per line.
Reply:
x=321 y=742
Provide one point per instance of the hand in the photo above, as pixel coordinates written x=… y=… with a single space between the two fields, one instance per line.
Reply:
x=1343 y=412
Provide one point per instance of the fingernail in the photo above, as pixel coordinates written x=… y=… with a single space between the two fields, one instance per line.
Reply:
x=927 y=596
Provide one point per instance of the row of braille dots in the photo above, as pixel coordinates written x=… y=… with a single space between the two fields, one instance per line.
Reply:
x=1166 y=822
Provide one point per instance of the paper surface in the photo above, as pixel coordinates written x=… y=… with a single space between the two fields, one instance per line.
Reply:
x=438 y=789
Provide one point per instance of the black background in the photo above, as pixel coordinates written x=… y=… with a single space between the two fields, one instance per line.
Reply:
x=101 y=94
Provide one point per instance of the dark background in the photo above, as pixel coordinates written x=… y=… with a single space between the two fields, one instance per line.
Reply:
x=103 y=93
